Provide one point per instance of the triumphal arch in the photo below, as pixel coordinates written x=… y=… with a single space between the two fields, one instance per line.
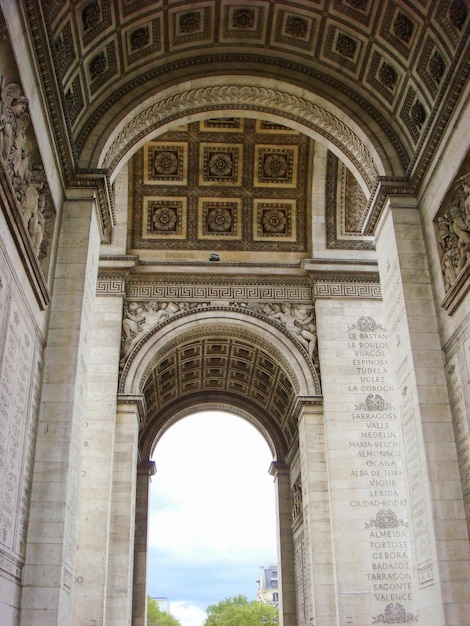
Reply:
x=256 y=206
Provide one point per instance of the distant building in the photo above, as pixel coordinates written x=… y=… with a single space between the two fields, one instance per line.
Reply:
x=268 y=585
x=163 y=604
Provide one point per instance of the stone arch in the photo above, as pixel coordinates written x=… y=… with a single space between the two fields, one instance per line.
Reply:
x=233 y=360
x=150 y=440
x=169 y=365
x=276 y=101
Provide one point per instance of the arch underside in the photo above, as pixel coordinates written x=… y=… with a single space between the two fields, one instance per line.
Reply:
x=221 y=358
x=369 y=60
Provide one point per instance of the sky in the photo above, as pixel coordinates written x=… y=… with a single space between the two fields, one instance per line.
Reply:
x=212 y=514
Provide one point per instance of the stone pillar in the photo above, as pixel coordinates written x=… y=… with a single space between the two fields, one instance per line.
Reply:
x=285 y=548
x=50 y=557
x=314 y=547
x=145 y=470
x=123 y=500
x=94 y=514
x=366 y=470
x=441 y=548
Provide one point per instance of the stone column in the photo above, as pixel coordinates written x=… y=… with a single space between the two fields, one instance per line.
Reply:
x=49 y=570
x=285 y=548
x=437 y=512
x=123 y=500
x=315 y=548
x=94 y=514
x=145 y=471
x=366 y=473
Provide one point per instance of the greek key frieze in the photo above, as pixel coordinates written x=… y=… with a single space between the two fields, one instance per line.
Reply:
x=220 y=292
x=364 y=291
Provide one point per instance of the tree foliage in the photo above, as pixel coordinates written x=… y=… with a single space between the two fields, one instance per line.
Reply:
x=238 y=610
x=157 y=617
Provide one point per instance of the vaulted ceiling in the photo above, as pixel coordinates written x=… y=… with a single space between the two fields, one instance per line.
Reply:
x=393 y=60
x=390 y=71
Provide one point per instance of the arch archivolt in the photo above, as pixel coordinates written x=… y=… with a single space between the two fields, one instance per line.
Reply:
x=221 y=357
x=304 y=111
x=212 y=321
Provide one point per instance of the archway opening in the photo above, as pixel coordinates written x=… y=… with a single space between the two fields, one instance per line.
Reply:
x=212 y=513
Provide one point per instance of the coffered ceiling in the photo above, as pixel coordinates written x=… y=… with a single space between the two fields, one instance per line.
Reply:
x=389 y=65
x=237 y=184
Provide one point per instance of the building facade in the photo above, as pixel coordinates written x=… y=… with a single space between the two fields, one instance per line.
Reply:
x=261 y=207
x=268 y=585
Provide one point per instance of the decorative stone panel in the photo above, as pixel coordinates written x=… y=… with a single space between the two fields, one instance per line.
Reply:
x=165 y=218
x=166 y=162
x=220 y=163
x=220 y=218
x=142 y=40
x=190 y=25
x=240 y=21
x=294 y=29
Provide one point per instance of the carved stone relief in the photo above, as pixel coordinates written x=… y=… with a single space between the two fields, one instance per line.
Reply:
x=296 y=497
x=297 y=320
x=453 y=232
x=21 y=162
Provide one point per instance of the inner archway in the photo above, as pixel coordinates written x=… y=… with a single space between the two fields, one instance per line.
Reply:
x=225 y=358
x=212 y=513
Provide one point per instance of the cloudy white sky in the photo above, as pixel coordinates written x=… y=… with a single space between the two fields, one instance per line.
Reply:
x=212 y=514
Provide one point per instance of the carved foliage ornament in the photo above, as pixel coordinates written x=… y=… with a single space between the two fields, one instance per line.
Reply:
x=395 y=613
x=235 y=95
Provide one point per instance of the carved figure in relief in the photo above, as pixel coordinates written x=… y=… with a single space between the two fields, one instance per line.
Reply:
x=461 y=227
x=454 y=233
x=13 y=107
x=33 y=204
x=296 y=499
x=141 y=317
x=36 y=224
x=298 y=320
x=444 y=230
x=132 y=323
x=448 y=268
x=28 y=178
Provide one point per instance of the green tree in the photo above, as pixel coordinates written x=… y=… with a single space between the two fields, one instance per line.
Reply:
x=238 y=610
x=157 y=617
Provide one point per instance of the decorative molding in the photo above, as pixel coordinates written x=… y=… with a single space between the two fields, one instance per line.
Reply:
x=136 y=400
x=111 y=282
x=341 y=206
x=223 y=290
x=331 y=290
x=241 y=96
x=220 y=328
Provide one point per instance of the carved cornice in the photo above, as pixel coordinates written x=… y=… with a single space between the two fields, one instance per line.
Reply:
x=359 y=285
x=147 y=468
x=112 y=282
x=385 y=188
x=242 y=97
x=135 y=400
